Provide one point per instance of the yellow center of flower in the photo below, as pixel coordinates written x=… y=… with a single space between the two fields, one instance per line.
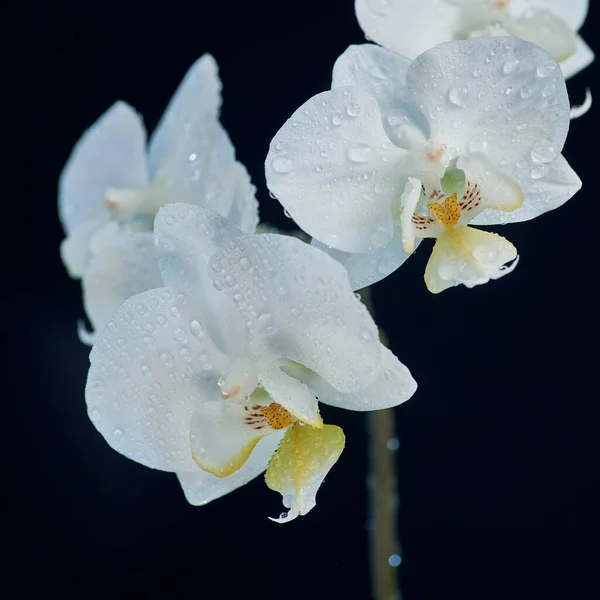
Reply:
x=447 y=212
x=277 y=417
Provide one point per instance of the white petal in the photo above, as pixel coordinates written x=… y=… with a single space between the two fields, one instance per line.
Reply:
x=573 y=12
x=201 y=487
x=408 y=27
x=111 y=153
x=199 y=168
x=367 y=268
x=583 y=57
x=244 y=209
x=393 y=386
x=298 y=304
x=542 y=27
x=75 y=248
x=152 y=365
x=293 y=395
x=409 y=200
x=545 y=194
x=468 y=256
x=496 y=189
x=336 y=172
x=383 y=74
x=123 y=268
x=198 y=96
x=300 y=465
x=224 y=434
x=500 y=96
x=187 y=237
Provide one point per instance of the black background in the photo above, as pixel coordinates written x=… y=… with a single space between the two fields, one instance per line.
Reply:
x=498 y=464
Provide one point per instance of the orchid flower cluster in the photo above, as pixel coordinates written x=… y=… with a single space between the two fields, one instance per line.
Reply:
x=213 y=344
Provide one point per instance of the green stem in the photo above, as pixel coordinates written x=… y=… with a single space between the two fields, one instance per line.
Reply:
x=384 y=546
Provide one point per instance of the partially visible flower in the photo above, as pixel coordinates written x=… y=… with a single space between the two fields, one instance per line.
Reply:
x=411 y=27
x=204 y=377
x=469 y=132
x=112 y=187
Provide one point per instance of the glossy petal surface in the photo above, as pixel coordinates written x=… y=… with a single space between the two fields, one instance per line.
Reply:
x=152 y=365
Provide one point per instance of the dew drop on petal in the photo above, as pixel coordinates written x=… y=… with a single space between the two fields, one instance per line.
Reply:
x=543 y=153
x=353 y=109
x=359 y=153
x=283 y=164
x=510 y=66
x=267 y=324
x=458 y=95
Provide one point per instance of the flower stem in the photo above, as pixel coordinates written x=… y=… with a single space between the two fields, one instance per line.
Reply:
x=383 y=506
x=384 y=546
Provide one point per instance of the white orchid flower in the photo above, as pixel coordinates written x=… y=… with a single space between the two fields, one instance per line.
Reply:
x=206 y=376
x=112 y=187
x=469 y=132
x=411 y=27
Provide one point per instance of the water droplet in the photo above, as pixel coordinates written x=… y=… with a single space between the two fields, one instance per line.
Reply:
x=288 y=500
x=353 y=109
x=543 y=153
x=337 y=119
x=510 y=66
x=458 y=95
x=205 y=362
x=267 y=324
x=167 y=360
x=245 y=263
x=195 y=328
x=359 y=153
x=539 y=171
x=283 y=164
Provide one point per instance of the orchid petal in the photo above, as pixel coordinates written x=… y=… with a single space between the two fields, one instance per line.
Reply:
x=468 y=256
x=223 y=435
x=542 y=27
x=408 y=27
x=525 y=110
x=112 y=152
x=335 y=171
x=201 y=487
x=75 y=248
x=367 y=268
x=122 y=269
x=197 y=97
x=551 y=191
x=383 y=74
x=293 y=395
x=298 y=304
x=393 y=386
x=187 y=237
x=152 y=365
x=244 y=207
x=300 y=465
x=573 y=12
x=583 y=57
x=199 y=167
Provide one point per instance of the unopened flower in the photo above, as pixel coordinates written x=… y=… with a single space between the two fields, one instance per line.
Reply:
x=206 y=376
x=470 y=132
x=411 y=27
